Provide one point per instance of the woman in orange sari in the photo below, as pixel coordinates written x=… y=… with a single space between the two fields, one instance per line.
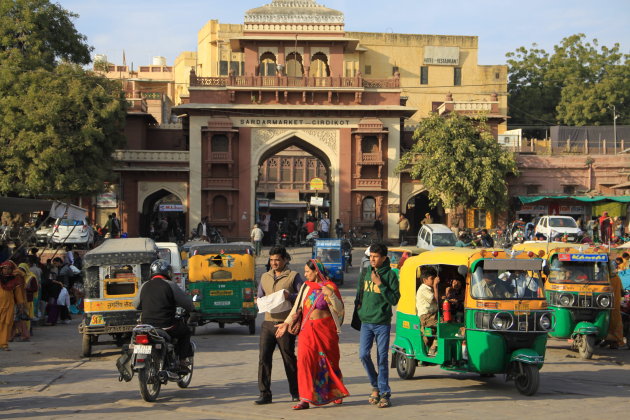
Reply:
x=11 y=294
x=320 y=380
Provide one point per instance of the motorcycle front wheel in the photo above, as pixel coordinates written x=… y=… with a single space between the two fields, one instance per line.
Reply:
x=150 y=384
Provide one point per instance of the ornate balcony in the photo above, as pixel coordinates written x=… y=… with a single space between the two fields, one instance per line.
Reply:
x=151 y=156
x=220 y=156
x=293 y=82
x=376 y=184
x=220 y=183
x=371 y=158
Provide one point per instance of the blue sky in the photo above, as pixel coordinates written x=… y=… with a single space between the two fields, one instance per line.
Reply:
x=146 y=28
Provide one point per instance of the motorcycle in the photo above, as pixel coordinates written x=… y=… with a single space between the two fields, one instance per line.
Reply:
x=216 y=237
x=347 y=253
x=310 y=238
x=283 y=239
x=151 y=354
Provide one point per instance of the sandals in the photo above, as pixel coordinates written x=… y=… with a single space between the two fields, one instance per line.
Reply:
x=384 y=402
x=301 y=406
x=338 y=401
x=374 y=397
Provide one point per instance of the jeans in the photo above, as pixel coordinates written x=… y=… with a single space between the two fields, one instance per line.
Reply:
x=257 y=247
x=380 y=333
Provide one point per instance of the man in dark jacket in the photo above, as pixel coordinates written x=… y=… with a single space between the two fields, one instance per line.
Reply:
x=158 y=300
x=380 y=293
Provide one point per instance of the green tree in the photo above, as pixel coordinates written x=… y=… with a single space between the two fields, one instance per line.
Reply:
x=460 y=163
x=576 y=85
x=59 y=123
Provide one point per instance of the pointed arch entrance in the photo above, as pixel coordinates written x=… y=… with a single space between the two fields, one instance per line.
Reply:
x=162 y=217
x=282 y=184
x=416 y=209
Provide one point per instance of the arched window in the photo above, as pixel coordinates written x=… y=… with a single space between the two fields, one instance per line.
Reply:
x=220 y=208
x=294 y=66
x=219 y=143
x=319 y=65
x=368 y=208
x=268 y=64
x=369 y=144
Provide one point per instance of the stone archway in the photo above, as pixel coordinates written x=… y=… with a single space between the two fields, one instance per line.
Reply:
x=321 y=143
x=151 y=192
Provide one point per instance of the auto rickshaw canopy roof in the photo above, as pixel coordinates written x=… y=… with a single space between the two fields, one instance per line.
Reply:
x=122 y=251
x=552 y=248
x=239 y=248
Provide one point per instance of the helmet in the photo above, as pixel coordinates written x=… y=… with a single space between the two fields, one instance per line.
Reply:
x=161 y=268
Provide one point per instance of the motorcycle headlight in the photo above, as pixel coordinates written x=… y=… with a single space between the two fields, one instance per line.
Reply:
x=565 y=299
x=604 y=301
x=545 y=322
x=502 y=321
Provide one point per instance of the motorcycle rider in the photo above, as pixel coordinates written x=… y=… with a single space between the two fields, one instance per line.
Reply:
x=158 y=300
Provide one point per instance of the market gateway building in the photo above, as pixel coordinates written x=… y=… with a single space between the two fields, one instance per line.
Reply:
x=264 y=107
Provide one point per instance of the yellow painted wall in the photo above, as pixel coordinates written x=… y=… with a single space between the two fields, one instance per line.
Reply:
x=181 y=69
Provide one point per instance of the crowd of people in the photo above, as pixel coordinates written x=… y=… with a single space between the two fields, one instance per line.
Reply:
x=33 y=293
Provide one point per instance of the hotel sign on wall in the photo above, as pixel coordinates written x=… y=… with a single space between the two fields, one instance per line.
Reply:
x=296 y=122
x=441 y=56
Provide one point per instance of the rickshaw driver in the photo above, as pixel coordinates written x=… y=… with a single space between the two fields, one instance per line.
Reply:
x=490 y=287
x=158 y=300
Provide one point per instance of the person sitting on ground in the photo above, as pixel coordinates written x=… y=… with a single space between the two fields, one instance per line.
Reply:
x=426 y=305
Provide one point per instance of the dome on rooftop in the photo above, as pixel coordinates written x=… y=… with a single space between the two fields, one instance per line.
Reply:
x=293 y=11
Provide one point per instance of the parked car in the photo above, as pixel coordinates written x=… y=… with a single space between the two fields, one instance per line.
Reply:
x=558 y=227
x=43 y=235
x=169 y=251
x=435 y=235
x=72 y=232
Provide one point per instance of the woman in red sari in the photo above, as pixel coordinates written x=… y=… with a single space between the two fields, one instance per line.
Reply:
x=319 y=378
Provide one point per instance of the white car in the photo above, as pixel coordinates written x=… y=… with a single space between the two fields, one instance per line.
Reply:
x=72 y=232
x=435 y=235
x=169 y=251
x=555 y=226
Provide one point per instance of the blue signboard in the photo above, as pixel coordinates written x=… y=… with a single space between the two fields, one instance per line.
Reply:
x=584 y=257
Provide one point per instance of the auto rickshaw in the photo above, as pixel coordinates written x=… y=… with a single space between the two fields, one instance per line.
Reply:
x=578 y=291
x=113 y=274
x=487 y=333
x=222 y=276
x=330 y=253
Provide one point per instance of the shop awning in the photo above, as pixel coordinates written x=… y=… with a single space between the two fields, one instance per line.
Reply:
x=583 y=198
x=274 y=204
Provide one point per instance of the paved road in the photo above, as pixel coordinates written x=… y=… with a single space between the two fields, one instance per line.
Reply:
x=47 y=378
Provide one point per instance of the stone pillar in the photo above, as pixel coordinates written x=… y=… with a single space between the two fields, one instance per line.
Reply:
x=393 y=179
x=195 y=179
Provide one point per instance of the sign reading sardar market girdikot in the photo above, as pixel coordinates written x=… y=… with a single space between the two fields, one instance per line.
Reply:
x=296 y=122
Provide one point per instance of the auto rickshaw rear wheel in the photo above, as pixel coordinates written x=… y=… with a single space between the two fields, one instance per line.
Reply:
x=528 y=380
x=405 y=366
x=585 y=345
x=252 y=326
x=221 y=325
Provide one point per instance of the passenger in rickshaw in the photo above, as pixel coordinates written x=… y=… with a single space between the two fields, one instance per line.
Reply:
x=427 y=305
x=455 y=295
x=489 y=287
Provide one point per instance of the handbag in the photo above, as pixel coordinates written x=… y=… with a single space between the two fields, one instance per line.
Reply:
x=356 y=321
x=295 y=324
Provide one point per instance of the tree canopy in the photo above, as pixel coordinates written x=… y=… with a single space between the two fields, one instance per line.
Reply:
x=460 y=163
x=577 y=84
x=59 y=123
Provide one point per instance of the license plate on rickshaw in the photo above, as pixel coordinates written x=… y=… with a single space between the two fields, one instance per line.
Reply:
x=97 y=320
x=140 y=349
x=222 y=303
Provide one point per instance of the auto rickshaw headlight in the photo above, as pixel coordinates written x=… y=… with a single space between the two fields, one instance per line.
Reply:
x=604 y=301
x=566 y=299
x=545 y=322
x=502 y=321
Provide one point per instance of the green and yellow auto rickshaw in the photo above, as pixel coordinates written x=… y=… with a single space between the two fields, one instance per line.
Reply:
x=222 y=277
x=500 y=326
x=578 y=291
x=113 y=274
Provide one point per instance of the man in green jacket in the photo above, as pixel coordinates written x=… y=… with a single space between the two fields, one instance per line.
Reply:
x=380 y=292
